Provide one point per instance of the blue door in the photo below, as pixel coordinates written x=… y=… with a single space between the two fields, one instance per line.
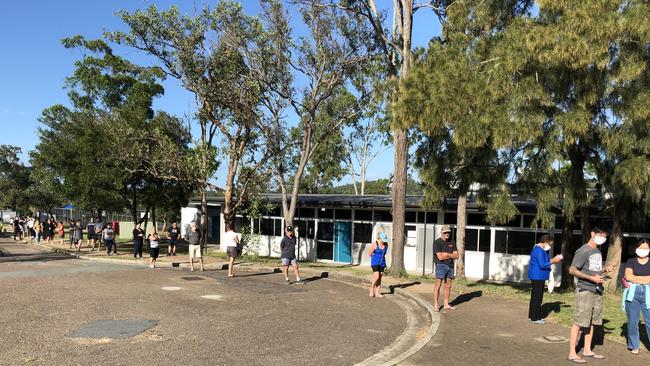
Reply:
x=343 y=242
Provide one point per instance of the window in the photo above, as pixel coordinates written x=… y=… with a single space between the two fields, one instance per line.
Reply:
x=520 y=242
x=411 y=217
x=327 y=213
x=484 y=241
x=500 y=241
x=450 y=218
x=476 y=219
x=342 y=214
x=241 y=224
x=471 y=236
x=305 y=228
x=256 y=226
x=432 y=218
x=278 y=227
x=381 y=215
x=515 y=222
x=306 y=212
x=528 y=220
x=325 y=231
x=266 y=227
x=363 y=215
x=362 y=233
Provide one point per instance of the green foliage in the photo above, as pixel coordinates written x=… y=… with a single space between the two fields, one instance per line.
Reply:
x=14 y=180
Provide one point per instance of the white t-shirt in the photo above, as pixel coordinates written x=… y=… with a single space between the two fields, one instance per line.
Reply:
x=230 y=239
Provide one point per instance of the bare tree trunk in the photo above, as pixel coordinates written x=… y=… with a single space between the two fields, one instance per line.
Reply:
x=568 y=249
x=616 y=241
x=585 y=225
x=204 y=216
x=400 y=138
x=460 y=234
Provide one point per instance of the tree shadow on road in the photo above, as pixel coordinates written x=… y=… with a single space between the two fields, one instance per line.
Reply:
x=462 y=298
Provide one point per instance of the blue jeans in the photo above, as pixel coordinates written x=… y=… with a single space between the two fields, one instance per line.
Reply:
x=633 y=309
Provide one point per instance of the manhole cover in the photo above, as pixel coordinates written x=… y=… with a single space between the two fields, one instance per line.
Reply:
x=192 y=278
x=114 y=328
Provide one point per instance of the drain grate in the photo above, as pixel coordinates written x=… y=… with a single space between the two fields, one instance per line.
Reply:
x=114 y=329
x=192 y=278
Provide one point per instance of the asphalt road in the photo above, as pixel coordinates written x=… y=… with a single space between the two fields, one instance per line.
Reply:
x=253 y=319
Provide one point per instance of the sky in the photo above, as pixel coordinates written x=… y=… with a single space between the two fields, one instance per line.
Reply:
x=34 y=64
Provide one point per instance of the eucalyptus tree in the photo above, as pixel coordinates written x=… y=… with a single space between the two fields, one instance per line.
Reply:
x=320 y=79
x=204 y=52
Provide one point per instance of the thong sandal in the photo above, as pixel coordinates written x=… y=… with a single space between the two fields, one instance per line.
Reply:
x=577 y=360
x=594 y=355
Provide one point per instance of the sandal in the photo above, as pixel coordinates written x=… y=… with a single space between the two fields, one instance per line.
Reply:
x=577 y=360
x=450 y=308
x=635 y=352
x=594 y=355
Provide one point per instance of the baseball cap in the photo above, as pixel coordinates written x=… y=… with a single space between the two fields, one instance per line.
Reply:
x=383 y=236
x=445 y=229
x=289 y=228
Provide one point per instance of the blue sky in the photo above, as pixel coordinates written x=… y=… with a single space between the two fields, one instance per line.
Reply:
x=34 y=64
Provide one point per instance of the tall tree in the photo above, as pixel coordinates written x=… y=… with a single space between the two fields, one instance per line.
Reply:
x=319 y=79
x=204 y=52
x=14 y=179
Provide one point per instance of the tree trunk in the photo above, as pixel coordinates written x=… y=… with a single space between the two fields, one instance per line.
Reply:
x=204 y=216
x=401 y=145
x=568 y=249
x=153 y=217
x=616 y=241
x=460 y=234
x=585 y=224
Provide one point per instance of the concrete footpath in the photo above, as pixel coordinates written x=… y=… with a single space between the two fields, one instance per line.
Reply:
x=485 y=330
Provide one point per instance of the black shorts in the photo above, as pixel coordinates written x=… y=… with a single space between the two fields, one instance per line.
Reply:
x=172 y=241
x=233 y=252
x=90 y=236
x=378 y=268
x=153 y=252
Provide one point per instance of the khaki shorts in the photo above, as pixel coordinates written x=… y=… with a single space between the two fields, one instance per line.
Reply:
x=588 y=309
x=195 y=251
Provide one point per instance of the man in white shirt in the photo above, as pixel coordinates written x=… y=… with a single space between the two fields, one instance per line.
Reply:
x=232 y=247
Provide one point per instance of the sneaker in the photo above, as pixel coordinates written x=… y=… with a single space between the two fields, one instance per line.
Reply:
x=286 y=280
x=541 y=321
x=300 y=282
x=173 y=254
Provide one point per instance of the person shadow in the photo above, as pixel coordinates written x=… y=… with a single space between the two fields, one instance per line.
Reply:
x=463 y=298
x=552 y=307
x=643 y=334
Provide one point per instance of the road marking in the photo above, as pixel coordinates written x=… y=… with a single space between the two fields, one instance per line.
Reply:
x=212 y=297
x=171 y=288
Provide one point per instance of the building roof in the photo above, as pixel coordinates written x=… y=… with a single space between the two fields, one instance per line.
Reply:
x=369 y=201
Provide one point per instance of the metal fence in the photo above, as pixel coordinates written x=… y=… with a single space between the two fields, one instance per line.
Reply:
x=68 y=214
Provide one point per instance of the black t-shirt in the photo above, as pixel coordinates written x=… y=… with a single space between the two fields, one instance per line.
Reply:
x=638 y=269
x=138 y=236
x=440 y=245
x=173 y=232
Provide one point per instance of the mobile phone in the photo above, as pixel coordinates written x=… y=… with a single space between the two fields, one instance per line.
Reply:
x=607 y=278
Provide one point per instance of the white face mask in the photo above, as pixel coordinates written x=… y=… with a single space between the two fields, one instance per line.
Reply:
x=546 y=247
x=642 y=253
x=600 y=240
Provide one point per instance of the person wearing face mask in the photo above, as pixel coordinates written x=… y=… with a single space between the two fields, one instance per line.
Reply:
x=587 y=267
x=539 y=271
x=636 y=298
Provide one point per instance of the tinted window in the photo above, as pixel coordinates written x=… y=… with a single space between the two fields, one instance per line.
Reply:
x=362 y=233
x=528 y=220
x=363 y=215
x=343 y=214
x=256 y=226
x=327 y=213
x=325 y=231
x=432 y=218
x=266 y=227
x=500 y=241
x=306 y=212
x=484 y=241
x=450 y=218
x=411 y=217
x=520 y=242
x=476 y=219
x=471 y=236
x=381 y=215
x=278 y=227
